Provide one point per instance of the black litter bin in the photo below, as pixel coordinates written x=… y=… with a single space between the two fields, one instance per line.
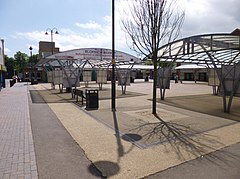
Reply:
x=91 y=99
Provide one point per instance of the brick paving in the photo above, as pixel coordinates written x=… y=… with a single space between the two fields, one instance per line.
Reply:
x=17 y=155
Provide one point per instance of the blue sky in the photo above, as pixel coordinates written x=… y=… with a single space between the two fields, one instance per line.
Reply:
x=87 y=23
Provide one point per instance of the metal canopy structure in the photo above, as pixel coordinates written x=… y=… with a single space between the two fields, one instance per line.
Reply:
x=218 y=51
x=190 y=66
x=74 y=62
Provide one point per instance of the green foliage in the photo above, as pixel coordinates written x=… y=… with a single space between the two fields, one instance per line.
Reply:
x=18 y=63
x=33 y=59
x=10 y=66
x=21 y=60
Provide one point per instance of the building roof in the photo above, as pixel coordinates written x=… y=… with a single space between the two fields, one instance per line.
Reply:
x=99 y=57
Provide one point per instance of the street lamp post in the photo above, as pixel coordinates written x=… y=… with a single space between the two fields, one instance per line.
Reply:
x=113 y=61
x=53 y=30
x=31 y=71
x=30 y=48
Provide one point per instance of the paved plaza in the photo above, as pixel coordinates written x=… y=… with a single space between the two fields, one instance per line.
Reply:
x=47 y=134
x=17 y=155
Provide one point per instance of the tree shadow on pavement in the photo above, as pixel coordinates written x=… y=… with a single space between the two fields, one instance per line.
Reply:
x=110 y=168
x=127 y=137
x=185 y=141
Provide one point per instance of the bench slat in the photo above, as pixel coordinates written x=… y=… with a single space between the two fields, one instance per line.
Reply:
x=77 y=92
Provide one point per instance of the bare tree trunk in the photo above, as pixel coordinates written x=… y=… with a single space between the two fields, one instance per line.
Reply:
x=154 y=101
x=154 y=59
x=151 y=24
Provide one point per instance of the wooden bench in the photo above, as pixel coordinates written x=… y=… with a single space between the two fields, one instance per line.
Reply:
x=78 y=92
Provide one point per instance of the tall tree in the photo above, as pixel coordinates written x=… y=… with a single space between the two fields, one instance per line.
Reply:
x=33 y=59
x=21 y=60
x=10 y=66
x=151 y=24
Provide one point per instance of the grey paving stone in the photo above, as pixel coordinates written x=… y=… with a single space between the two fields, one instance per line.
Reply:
x=16 y=142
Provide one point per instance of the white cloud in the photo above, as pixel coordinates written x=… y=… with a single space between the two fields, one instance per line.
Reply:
x=210 y=16
x=205 y=16
x=33 y=36
x=89 y=25
x=6 y=50
x=75 y=38
x=100 y=37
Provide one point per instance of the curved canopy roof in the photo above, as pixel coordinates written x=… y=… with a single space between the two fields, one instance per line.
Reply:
x=99 y=57
x=217 y=49
x=213 y=50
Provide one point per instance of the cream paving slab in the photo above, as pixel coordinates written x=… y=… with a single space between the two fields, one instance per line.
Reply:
x=146 y=115
x=103 y=145
x=100 y=143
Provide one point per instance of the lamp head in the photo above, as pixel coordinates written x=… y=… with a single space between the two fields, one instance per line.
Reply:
x=46 y=33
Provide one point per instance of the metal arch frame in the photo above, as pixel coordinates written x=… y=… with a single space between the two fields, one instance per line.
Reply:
x=65 y=63
x=190 y=44
x=128 y=75
x=226 y=105
x=62 y=64
x=210 y=49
